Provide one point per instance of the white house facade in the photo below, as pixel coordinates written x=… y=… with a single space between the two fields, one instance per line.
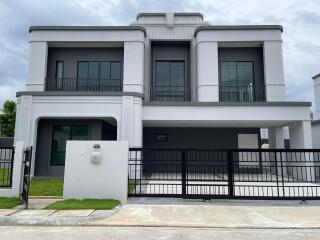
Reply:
x=316 y=122
x=166 y=80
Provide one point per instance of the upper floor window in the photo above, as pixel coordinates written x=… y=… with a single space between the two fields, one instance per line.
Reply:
x=99 y=76
x=170 y=81
x=237 y=81
x=59 y=74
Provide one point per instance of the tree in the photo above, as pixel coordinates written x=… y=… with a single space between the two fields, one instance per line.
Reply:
x=8 y=118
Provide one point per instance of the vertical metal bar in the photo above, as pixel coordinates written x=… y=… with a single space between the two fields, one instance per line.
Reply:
x=183 y=172
x=276 y=166
x=283 y=190
x=230 y=173
x=11 y=167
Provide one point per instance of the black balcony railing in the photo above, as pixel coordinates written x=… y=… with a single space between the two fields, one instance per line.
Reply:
x=83 y=84
x=242 y=93
x=170 y=93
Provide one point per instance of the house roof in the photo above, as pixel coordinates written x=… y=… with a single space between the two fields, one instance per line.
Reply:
x=238 y=27
x=88 y=28
x=316 y=76
x=183 y=14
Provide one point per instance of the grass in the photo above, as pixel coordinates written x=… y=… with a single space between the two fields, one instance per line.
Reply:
x=46 y=187
x=4 y=177
x=132 y=185
x=73 y=204
x=9 y=202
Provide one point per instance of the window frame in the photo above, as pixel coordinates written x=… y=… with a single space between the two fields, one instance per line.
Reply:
x=99 y=71
x=56 y=74
x=51 y=162
x=242 y=61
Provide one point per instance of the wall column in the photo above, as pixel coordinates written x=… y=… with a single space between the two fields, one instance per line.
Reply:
x=316 y=84
x=276 y=137
x=273 y=71
x=37 y=68
x=133 y=62
x=207 y=72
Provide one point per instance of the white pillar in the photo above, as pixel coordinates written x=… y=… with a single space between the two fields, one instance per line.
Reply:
x=301 y=138
x=37 y=69
x=133 y=67
x=207 y=72
x=273 y=71
x=316 y=84
x=300 y=135
x=23 y=123
x=276 y=137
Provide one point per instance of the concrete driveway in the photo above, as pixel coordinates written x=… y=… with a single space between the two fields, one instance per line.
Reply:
x=214 y=216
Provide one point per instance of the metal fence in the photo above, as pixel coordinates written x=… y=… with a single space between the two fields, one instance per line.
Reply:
x=232 y=173
x=170 y=93
x=242 y=93
x=6 y=166
x=26 y=175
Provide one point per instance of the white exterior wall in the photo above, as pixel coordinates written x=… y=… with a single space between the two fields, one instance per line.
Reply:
x=316 y=84
x=126 y=110
x=37 y=69
x=107 y=179
x=207 y=72
x=300 y=134
x=316 y=135
x=276 y=137
x=273 y=69
x=133 y=62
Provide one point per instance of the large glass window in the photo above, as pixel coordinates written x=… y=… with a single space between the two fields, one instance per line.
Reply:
x=60 y=135
x=170 y=82
x=59 y=74
x=99 y=76
x=236 y=81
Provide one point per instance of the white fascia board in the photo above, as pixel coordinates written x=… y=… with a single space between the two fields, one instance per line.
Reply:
x=238 y=35
x=225 y=113
x=87 y=36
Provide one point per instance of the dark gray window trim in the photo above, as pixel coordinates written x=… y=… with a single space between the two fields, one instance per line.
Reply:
x=315 y=122
x=77 y=93
x=238 y=27
x=89 y=28
x=186 y=104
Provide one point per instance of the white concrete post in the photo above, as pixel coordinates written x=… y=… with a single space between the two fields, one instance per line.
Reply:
x=207 y=72
x=133 y=67
x=273 y=71
x=301 y=138
x=276 y=137
x=15 y=190
x=23 y=124
x=37 y=69
x=316 y=84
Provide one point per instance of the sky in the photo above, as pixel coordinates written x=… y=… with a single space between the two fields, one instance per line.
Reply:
x=300 y=19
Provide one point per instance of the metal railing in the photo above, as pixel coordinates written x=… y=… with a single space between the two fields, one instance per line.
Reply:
x=6 y=166
x=83 y=84
x=27 y=154
x=170 y=93
x=226 y=173
x=242 y=93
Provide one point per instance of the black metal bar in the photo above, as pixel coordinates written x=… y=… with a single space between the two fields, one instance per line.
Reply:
x=230 y=173
x=183 y=173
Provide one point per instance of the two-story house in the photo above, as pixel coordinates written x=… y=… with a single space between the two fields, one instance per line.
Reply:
x=166 y=80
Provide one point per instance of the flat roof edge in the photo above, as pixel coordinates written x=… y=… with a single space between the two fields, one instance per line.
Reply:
x=283 y=104
x=238 y=27
x=316 y=76
x=90 y=28
x=77 y=93
x=163 y=14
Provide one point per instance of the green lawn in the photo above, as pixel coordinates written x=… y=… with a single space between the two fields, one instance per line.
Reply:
x=4 y=177
x=132 y=185
x=72 y=204
x=9 y=202
x=46 y=187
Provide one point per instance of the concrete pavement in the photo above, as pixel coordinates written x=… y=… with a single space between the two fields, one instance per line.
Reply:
x=152 y=233
x=214 y=216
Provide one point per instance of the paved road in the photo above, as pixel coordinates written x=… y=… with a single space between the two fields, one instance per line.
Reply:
x=135 y=233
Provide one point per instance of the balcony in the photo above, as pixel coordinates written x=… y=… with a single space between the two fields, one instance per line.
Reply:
x=83 y=84
x=242 y=93
x=170 y=93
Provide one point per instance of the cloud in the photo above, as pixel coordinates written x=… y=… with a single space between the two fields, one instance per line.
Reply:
x=299 y=18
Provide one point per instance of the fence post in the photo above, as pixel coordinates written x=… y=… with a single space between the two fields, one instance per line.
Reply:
x=230 y=173
x=183 y=173
x=11 y=167
x=276 y=166
x=281 y=165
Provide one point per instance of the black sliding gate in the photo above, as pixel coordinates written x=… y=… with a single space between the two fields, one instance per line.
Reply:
x=231 y=173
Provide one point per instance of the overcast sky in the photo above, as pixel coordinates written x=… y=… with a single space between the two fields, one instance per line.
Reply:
x=300 y=19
